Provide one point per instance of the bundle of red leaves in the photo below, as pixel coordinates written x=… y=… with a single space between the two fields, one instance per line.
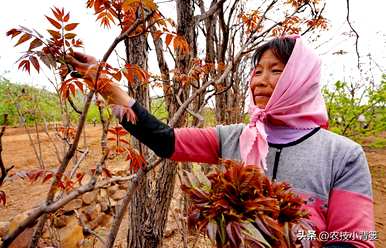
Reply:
x=238 y=206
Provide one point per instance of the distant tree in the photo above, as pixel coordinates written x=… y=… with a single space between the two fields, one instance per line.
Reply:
x=357 y=110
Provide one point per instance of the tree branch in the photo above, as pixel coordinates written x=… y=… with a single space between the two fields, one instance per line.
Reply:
x=353 y=29
x=53 y=206
x=210 y=11
x=126 y=200
x=74 y=107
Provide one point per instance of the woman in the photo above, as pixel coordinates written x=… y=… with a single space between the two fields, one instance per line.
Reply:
x=284 y=136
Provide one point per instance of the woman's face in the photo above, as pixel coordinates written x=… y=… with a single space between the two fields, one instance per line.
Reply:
x=267 y=73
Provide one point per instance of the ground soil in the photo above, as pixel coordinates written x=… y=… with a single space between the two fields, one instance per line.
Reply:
x=22 y=195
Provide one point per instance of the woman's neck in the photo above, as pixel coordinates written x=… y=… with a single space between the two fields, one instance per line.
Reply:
x=284 y=134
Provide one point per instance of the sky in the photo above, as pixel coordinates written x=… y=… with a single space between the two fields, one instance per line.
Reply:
x=366 y=16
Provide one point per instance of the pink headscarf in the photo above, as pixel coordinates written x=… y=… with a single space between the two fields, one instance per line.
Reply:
x=296 y=101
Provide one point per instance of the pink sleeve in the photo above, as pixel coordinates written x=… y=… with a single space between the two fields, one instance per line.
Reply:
x=196 y=145
x=351 y=212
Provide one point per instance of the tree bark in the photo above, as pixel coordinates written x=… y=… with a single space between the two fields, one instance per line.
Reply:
x=136 y=53
x=164 y=185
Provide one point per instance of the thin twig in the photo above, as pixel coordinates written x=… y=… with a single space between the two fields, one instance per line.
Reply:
x=194 y=114
x=75 y=168
x=356 y=33
x=49 y=137
x=87 y=229
x=20 y=114
x=46 y=208
x=121 y=209
x=74 y=107
x=210 y=11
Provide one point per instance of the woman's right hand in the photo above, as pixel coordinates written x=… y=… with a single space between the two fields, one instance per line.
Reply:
x=83 y=63
x=87 y=65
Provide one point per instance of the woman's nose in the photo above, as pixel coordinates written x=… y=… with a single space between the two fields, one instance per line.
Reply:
x=259 y=81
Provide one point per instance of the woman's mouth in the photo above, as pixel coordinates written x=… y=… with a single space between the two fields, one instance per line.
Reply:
x=261 y=99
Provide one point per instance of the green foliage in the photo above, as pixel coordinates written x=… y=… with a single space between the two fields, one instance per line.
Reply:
x=28 y=98
x=158 y=109
x=356 y=112
x=36 y=104
x=379 y=142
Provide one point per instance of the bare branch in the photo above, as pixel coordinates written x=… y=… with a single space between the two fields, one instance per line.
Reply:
x=53 y=206
x=74 y=107
x=87 y=229
x=126 y=200
x=194 y=114
x=210 y=11
x=76 y=166
x=353 y=29
x=20 y=114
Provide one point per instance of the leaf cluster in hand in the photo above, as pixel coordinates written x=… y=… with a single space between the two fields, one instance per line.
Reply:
x=240 y=207
x=51 y=50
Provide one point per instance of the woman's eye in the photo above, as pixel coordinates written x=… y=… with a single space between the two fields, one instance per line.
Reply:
x=277 y=71
x=257 y=72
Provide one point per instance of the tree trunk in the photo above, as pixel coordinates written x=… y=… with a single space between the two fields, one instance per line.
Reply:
x=136 y=53
x=163 y=191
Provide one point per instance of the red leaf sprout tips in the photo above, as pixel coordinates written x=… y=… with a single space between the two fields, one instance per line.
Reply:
x=237 y=206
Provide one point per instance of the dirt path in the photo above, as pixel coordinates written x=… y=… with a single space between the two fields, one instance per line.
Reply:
x=22 y=195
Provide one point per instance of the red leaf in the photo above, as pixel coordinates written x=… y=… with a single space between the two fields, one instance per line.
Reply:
x=157 y=34
x=122 y=132
x=168 y=39
x=124 y=141
x=69 y=184
x=55 y=34
x=23 y=38
x=72 y=89
x=77 y=43
x=47 y=177
x=118 y=76
x=66 y=17
x=25 y=65
x=69 y=35
x=54 y=23
x=35 y=62
x=112 y=130
x=112 y=139
x=79 y=176
x=136 y=160
x=60 y=184
x=80 y=85
x=13 y=32
x=57 y=13
x=119 y=149
x=35 y=43
x=34 y=175
x=71 y=26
